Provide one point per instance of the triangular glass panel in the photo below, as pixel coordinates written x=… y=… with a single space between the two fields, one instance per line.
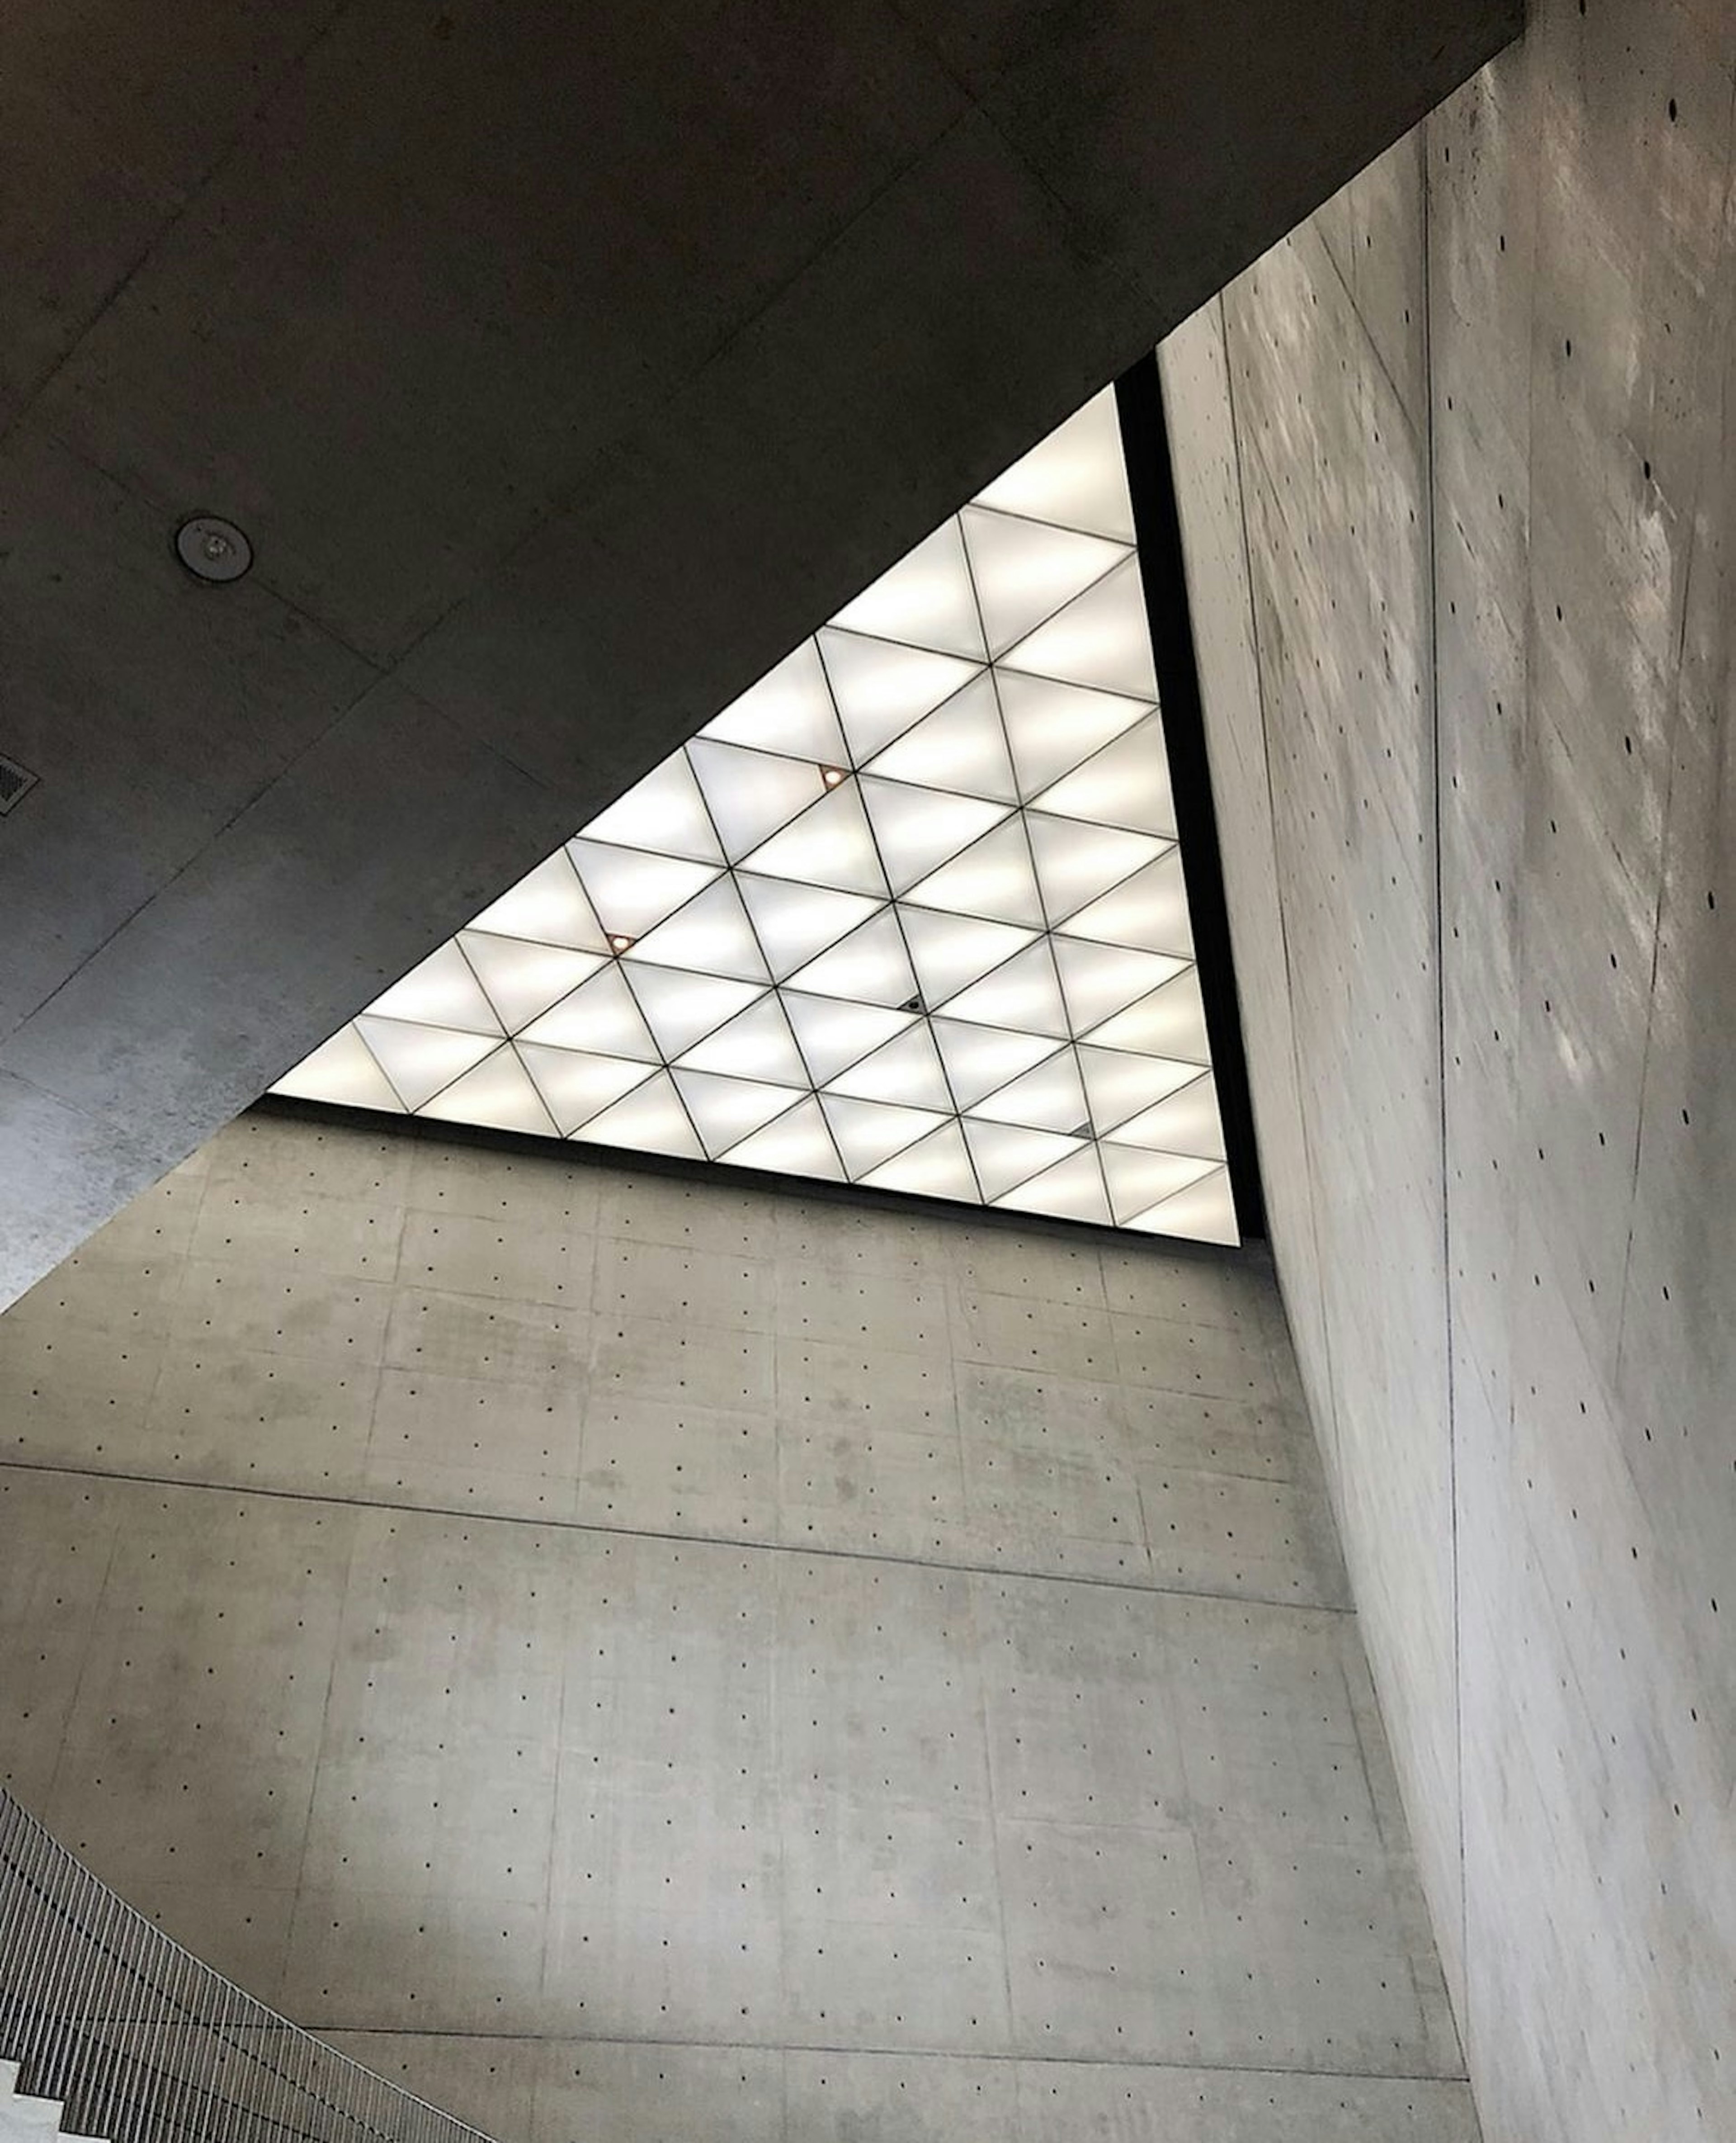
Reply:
x=961 y=746
x=1024 y=994
x=834 y=1034
x=993 y=878
x=1071 y=1190
x=665 y=812
x=574 y=1085
x=1205 y=1212
x=919 y=829
x=756 y=1044
x=498 y=1092
x=1120 y=1082
x=793 y=922
x=1100 y=980
x=980 y=1059
x=752 y=793
x=797 y=1143
x=1101 y=639
x=1051 y=727
x=870 y=1132
x=680 y=1007
x=1139 y=1179
x=951 y=951
x=602 y=1015
x=789 y=711
x=1077 y=477
x=926 y=600
x=342 y=1070
x=882 y=688
x=906 y=1069
x=938 y=1166
x=549 y=905
x=440 y=991
x=1148 y=910
x=1170 y=1023
x=650 y=1120
x=1076 y=863
x=522 y=979
x=1127 y=784
x=830 y=845
x=1187 y=1122
x=710 y=936
x=724 y=1111
x=419 y=1060
x=976 y=920
x=1049 y=1097
x=632 y=891
x=1025 y=570
x=870 y=966
x=1006 y=1155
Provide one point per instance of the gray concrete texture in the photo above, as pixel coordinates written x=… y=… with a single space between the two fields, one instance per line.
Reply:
x=658 y=1657
x=1459 y=486
x=566 y=368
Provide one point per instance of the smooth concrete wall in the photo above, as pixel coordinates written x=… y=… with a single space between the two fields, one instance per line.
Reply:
x=653 y=1658
x=1458 y=485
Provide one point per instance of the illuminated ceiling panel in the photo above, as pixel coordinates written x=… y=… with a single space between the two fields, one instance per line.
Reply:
x=910 y=913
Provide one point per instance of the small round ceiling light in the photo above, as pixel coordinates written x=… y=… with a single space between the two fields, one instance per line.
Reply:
x=212 y=549
x=831 y=775
x=620 y=944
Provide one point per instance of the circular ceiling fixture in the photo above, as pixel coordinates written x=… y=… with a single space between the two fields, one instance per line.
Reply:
x=212 y=549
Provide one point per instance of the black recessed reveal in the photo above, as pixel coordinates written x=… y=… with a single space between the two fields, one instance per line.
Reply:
x=1157 y=524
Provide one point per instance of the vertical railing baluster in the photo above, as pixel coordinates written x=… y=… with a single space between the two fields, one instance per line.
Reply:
x=17 y=1880
x=84 y=2093
x=105 y=2088
x=162 y=1967
x=299 y=2114
x=169 y=1979
x=148 y=2010
x=54 y=1973
x=250 y=2080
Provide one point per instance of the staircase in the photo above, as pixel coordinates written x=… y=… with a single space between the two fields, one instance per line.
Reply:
x=146 y=2044
x=26 y=2119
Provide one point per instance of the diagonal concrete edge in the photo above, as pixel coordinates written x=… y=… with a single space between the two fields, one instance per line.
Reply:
x=564 y=374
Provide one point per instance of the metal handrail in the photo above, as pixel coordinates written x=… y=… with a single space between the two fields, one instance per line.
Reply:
x=144 y=2044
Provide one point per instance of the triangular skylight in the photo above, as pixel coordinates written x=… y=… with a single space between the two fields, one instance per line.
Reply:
x=910 y=913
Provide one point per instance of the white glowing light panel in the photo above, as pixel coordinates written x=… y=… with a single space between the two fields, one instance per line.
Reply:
x=909 y=913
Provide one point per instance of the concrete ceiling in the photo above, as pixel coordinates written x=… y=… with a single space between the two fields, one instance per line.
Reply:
x=565 y=366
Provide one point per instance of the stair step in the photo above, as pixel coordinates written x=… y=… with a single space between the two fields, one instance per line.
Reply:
x=22 y=2117
x=27 y=2120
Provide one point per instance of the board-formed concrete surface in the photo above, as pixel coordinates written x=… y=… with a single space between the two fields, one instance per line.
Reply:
x=634 y=1648
x=1459 y=485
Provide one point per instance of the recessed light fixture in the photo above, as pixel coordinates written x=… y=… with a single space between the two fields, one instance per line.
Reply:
x=212 y=549
x=964 y=970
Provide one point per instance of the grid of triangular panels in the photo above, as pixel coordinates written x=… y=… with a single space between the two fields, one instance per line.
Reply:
x=910 y=913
